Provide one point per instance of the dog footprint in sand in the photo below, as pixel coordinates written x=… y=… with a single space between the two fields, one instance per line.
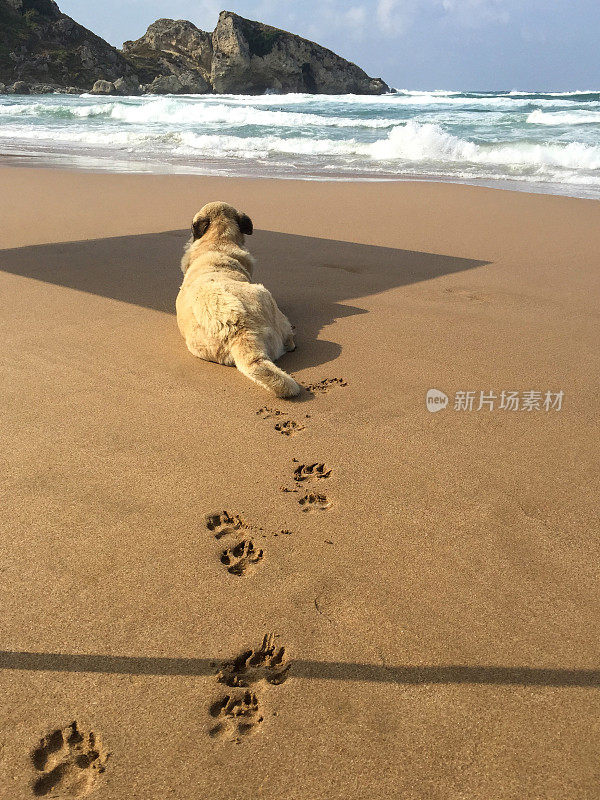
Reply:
x=307 y=472
x=241 y=557
x=69 y=762
x=266 y=663
x=237 y=715
x=269 y=413
x=314 y=502
x=289 y=427
x=223 y=523
x=325 y=385
x=238 y=558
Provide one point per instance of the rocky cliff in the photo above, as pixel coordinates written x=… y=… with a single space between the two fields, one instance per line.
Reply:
x=242 y=57
x=249 y=57
x=42 y=49
x=40 y=45
x=172 y=53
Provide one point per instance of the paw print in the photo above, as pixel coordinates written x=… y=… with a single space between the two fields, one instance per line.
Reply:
x=266 y=663
x=237 y=715
x=69 y=762
x=325 y=385
x=314 y=502
x=268 y=413
x=289 y=427
x=223 y=523
x=306 y=472
x=240 y=557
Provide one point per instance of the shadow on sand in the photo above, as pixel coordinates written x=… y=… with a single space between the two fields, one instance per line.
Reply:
x=302 y=668
x=310 y=278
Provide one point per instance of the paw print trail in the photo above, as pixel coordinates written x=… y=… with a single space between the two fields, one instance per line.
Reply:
x=239 y=711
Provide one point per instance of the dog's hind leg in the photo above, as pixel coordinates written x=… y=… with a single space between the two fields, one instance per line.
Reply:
x=252 y=360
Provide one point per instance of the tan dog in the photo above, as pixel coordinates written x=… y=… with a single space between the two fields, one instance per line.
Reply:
x=221 y=314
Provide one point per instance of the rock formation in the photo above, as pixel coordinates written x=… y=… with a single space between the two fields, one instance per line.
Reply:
x=252 y=58
x=241 y=57
x=42 y=49
x=172 y=56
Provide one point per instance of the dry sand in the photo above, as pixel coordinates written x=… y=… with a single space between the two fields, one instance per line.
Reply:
x=440 y=619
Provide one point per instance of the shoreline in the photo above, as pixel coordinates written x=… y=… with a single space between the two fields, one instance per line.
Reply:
x=30 y=161
x=175 y=198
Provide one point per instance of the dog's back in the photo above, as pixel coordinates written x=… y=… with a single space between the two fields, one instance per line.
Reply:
x=221 y=314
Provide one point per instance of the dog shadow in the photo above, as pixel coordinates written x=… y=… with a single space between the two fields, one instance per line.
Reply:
x=309 y=277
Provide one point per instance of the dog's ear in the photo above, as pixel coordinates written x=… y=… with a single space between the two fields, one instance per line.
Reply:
x=199 y=227
x=245 y=224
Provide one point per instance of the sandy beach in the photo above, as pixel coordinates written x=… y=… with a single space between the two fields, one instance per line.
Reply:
x=432 y=620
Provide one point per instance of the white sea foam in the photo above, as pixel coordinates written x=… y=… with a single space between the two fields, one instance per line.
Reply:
x=412 y=142
x=539 y=117
x=431 y=93
x=171 y=111
x=580 y=92
x=503 y=102
x=97 y=137
x=427 y=142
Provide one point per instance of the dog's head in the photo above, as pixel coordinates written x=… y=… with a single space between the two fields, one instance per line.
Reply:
x=223 y=220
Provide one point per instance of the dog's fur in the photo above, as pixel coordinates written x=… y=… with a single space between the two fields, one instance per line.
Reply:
x=221 y=314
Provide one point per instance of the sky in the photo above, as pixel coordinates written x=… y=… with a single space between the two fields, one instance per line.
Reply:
x=531 y=45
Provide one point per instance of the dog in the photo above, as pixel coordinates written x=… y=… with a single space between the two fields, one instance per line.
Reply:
x=221 y=314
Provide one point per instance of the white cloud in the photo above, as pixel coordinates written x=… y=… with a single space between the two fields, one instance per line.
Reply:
x=356 y=15
x=476 y=12
x=393 y=16
x=334 y=16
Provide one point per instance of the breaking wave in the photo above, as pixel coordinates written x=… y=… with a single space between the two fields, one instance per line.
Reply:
x=429 y=142
x=172 y=111
x=539 y=117
x=545 y=140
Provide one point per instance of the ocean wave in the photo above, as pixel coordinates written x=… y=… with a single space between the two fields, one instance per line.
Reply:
x=168 y=111
x=491 y=103
x=176 y=112
x=96 y=137
x=413 y=142
x=441 y=134
x=578 y=93
x=431 y=93
x=429 y=142
x=539 y=117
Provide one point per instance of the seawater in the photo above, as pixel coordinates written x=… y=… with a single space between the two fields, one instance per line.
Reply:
x=536 y=141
